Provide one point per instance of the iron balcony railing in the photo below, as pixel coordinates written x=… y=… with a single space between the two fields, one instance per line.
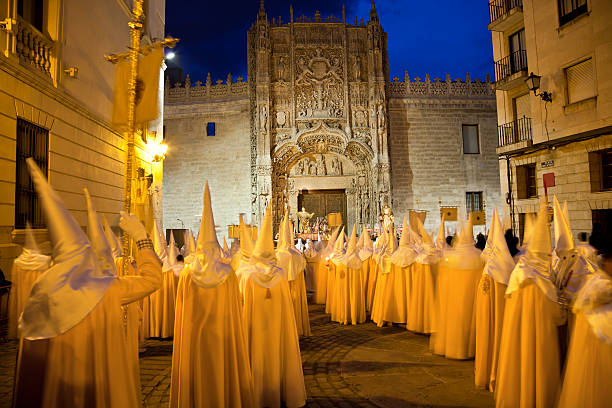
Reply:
x=511 y=64
x=499 y=8
x=518 y=130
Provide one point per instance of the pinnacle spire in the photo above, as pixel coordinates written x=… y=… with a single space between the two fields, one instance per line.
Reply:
x=373 y=13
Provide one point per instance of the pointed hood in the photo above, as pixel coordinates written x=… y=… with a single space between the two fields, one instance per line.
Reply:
x=226 y=249
x=425 y=237
x=288 y=257
x=159 y=242
x=392 y=241
x=264 y=247
x=405 y=237
x=441 y=238
x=63 y=296
x=535 y=264
x=30 y=258
x=112 y=239
x=428 y=252
x=405 y=254
x=528 y=229
x=186 y=245
x=326 y=253
x=487 y=251
x=338 y=252
x=381 y=246
x=466 y=236
x=570 y=268
x=351 y=258
x=210 y=269
x=366 y=249
x=192 y=243
x=173 y=251
x=261 y=266
x=246 y=244
x=97 y=238
x=499 y=263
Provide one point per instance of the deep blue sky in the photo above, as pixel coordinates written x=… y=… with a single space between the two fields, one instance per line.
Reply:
x=435 y=37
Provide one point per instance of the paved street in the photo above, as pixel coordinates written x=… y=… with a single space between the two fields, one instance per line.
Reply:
x=344 y=366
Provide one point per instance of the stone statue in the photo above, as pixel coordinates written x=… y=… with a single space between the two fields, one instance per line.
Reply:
x=357 y=68
x=386 y=217
x=304 y=220
x=312 y=168
x=321 y=170
x=263 y=118
x=381 y=116
x=299 y=169
x=280 y=68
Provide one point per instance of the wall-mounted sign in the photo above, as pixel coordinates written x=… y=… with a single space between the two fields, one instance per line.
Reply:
x=548 y=163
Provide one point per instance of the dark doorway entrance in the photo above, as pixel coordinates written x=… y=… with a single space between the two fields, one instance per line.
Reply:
x=323 y=202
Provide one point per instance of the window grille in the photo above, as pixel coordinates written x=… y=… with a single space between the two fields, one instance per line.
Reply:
x=473 y=201
x=570 y=9
x=32 y=141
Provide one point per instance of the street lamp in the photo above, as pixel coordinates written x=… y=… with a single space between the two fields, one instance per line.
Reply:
x=170 y=55
x=533 y=83
x=157 y=151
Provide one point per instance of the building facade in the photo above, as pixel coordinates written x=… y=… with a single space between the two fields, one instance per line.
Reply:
x=559 y=142
x=319 y=124
x=56 y=97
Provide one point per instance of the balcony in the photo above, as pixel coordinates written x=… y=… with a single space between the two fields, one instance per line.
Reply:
x=505 y=14
x=514 y=135
x=511 y=71
x=34 y=49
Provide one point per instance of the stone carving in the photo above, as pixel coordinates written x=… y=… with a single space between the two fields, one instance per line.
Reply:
x=319 y=85
x=357 y=68
x=360 y=119
x=438 y=88
x=281 y=119
x=380 y=115
x=263 y=119
x=280 y=68
x=319 y=165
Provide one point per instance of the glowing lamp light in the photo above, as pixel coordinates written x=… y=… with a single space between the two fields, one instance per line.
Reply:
x=157 y=151
x=170 y=55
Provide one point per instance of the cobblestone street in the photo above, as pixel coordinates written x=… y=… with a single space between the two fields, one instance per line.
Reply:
x=344 y=366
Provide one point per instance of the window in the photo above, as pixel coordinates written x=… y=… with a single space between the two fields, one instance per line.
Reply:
x=210 y=129
x=526 y=186
x=32 y=12
x=518 y=54
x=600 y=167
x=32 y=141
x=471 y=143
x=570 y=9
x=602 y=227
x=580 y=81
x=473 y=201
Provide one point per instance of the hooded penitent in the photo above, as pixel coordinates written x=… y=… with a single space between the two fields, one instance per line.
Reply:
x=159 y=242
x=208 y=270
x=405 y=255
x=210 y=358
x=499 y=263
x=97 y=237
x=366 y=247
x=27 y=267
x=535 y=264
x=441 y=237
x=270 y=326
x=291 y=260
x=428 y=252
x=530 y=376
x=261 y=266
x=321 y=269
x=570 y=269
x=73 y=286
x=490 y=304
x=351 y=258
x=338 y=251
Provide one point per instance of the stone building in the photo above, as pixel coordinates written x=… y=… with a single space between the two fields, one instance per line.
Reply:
x=319 y=124
x=56 y=96
x=558 y=138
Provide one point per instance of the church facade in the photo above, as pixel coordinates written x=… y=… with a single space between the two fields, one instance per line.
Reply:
x=319 y=124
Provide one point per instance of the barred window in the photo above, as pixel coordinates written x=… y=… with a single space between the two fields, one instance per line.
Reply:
x=32 y=141
x=473 y=201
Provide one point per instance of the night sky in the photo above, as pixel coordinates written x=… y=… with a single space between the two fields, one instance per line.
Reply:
x=435 y=37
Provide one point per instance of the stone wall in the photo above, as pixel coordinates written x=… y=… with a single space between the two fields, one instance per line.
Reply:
x=428 y=167
x=193 y=158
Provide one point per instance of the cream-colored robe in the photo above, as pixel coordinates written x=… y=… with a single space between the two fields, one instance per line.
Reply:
x=158 y=308
x=528 y=373
x=490 y=302
x=89 y=365
x=369 y=274
x=349 y=296
x=23 y=280
x=274 y=349
x=210 y=360
x=421 y=297
x=392 y=295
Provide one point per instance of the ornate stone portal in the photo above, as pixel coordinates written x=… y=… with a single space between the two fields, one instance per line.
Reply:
x=318 y=113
